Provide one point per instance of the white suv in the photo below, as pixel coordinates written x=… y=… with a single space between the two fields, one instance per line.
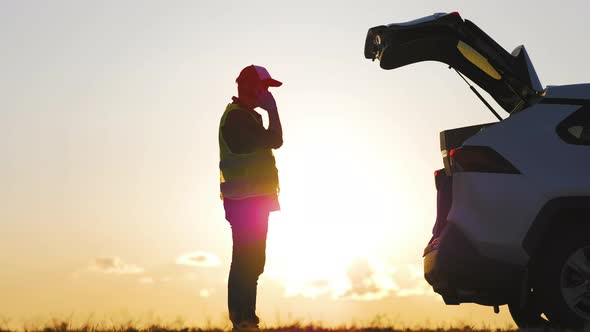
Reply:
x=513 y=219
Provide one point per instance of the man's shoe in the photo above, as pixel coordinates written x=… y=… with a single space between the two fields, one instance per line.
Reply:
x=246 y=327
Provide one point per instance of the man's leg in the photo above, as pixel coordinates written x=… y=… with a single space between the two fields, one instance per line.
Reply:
x=235 y=285
x=249 y=228
x=257 y=259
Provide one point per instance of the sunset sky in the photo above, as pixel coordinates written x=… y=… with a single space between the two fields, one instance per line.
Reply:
x=109 y=195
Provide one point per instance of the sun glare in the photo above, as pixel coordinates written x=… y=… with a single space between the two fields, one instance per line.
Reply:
x=330 y=219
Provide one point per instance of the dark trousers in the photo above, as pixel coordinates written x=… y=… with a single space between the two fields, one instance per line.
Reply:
x=249 y=225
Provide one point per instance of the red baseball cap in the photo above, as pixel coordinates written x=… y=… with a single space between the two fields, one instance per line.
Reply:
x=253 y=74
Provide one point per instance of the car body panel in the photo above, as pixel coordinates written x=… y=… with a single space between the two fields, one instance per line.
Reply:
x=553 y=216
x=457 y=271
x=495 y=212
x=571 y=91
x=494 y=221
x=529 y=140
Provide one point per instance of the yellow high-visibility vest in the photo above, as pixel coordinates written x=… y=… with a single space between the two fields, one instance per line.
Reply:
x=245 y=175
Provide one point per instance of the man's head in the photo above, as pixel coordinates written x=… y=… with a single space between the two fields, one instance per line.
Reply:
x=253 y=82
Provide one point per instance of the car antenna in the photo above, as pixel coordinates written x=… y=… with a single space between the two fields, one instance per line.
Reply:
x=478 y=95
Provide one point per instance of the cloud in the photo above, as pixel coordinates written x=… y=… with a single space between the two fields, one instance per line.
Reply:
x=191 y=276
x=365 y=279
x=113 y=265
x=206 y=292
x=199 y=259
x=146 y=280
x=309 y=288
x=412 y=282
x=369 y=280
x=319 y=284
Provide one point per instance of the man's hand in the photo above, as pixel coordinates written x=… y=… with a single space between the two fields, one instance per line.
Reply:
x=267 y=101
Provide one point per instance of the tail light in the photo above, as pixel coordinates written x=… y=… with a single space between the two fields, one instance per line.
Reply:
x=481 y=159
x=437 y=177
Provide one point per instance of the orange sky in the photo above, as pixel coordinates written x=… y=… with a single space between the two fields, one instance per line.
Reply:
x=109 y=198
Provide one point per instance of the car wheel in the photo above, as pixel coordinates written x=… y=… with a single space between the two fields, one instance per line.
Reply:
x=564 y=280
x=527 y=314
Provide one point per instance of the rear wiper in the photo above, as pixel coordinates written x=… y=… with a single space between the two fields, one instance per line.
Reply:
x=478 y=95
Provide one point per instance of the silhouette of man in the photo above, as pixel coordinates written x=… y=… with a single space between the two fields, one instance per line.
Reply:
x=249 y=187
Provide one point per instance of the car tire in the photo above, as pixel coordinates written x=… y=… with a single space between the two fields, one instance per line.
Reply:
x=528 y=314
x=563 y=279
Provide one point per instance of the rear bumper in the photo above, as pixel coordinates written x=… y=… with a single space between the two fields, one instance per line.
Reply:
x=455 y=270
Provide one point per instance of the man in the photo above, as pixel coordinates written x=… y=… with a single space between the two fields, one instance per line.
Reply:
x=249 y=186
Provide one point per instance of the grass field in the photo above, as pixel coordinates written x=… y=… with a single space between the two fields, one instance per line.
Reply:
x=65 y=326
x=292 y=328
x=60 y=325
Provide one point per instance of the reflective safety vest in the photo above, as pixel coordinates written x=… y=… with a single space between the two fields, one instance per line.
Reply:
x=248 y=174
